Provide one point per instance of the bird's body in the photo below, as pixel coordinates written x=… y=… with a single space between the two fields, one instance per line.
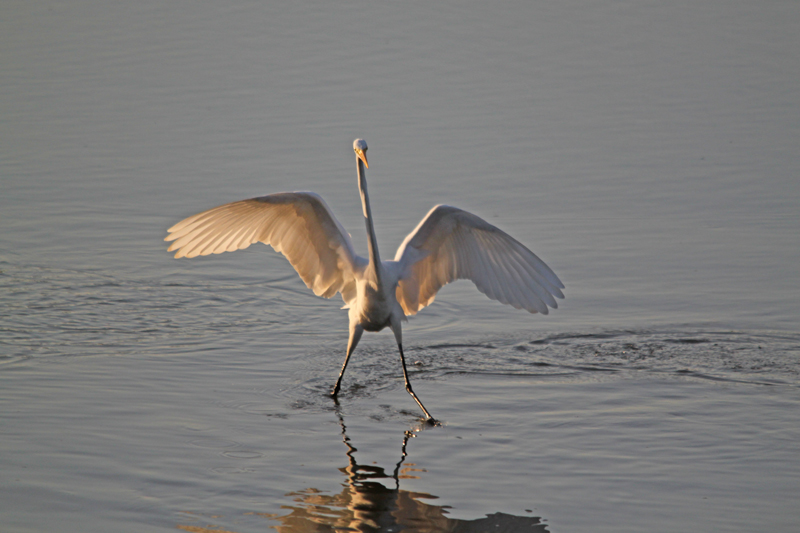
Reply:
x=448 y=244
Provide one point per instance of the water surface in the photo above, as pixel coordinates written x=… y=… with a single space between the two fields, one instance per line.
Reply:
x=647 y=152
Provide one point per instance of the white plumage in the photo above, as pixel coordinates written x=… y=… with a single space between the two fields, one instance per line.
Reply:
x=448 y=244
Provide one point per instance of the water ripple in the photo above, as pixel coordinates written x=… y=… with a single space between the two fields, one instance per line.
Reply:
x=51 y=311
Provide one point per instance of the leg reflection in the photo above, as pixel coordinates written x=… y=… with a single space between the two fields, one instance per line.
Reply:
x=360 y=474
x=367 y=504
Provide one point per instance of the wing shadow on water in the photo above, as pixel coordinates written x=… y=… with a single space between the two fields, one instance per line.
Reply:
x=366 y=504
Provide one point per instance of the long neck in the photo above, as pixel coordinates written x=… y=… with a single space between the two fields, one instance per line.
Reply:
x=372 y=242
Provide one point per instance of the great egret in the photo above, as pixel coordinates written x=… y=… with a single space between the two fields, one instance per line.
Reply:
x=448 y=244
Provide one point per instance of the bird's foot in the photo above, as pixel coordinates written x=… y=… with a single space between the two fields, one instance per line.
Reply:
x=336 y=388
x=426 y=423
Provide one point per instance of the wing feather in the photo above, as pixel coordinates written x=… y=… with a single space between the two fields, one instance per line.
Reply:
x=519 y=299
x=542 y=295
x=484 y=276
x=450 y=244
x=300 y=225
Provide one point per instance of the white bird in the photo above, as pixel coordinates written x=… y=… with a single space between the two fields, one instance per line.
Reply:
x=448 y=244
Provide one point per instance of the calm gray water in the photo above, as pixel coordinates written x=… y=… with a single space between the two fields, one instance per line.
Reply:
x=646 y=151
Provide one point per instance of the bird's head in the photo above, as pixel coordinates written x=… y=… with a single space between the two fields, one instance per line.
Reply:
x=360 y=148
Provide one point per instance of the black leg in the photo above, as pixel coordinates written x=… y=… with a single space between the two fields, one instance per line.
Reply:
x=428 y=417
x=355 y=335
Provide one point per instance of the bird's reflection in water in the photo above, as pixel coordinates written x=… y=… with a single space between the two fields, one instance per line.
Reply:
x=366 y=504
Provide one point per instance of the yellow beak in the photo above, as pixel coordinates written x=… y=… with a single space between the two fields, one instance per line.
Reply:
x=362 y=155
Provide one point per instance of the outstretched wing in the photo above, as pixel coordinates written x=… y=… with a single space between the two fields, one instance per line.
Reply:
x=299 y=225
x=451 y=244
